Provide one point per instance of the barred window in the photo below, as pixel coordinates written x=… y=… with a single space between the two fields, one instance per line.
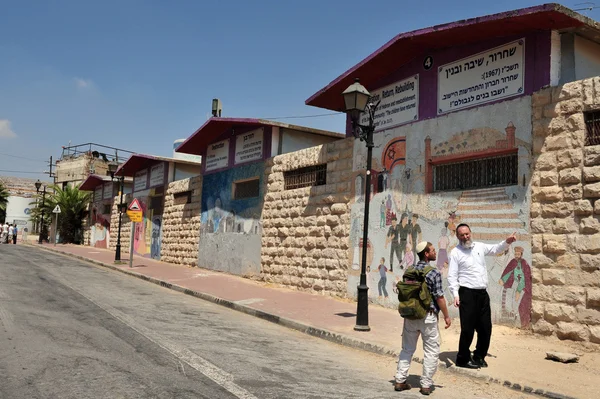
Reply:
x=476 y=173
x=305 y=177
x=592 y=124
x=246 y=188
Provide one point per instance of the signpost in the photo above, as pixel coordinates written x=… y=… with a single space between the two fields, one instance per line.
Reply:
x=56 y=211
x=134 y=211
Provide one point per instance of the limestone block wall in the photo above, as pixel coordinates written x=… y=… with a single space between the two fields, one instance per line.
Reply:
x=181 y=222
x=125 y=227
x=565 y=214
x=306 y=230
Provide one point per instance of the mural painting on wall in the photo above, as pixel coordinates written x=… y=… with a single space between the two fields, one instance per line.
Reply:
x=402 y=214
x=99 y=230
x=147 y=238
x=156 y=237
x=231 y=220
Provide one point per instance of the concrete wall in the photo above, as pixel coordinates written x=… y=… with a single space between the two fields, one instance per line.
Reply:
x=565 y=214
x=125 y=227
x=587 y=58
x=181 y=222
x=401 y=173
x=293 y=140
x=305 y=238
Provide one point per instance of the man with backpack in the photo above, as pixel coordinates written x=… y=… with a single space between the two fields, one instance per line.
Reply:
x=421 y=298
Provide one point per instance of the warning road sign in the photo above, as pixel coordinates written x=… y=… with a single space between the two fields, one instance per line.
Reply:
x=56 y=209
x=135 y=205
x=135 y=216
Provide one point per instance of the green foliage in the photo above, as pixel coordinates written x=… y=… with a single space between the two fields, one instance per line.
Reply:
x=3 y=201
x=74 y=209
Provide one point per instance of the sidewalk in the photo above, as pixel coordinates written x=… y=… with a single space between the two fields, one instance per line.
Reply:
x=517 y=358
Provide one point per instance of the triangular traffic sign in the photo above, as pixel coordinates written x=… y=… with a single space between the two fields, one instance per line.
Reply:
x=56 y=209
x=135 y=205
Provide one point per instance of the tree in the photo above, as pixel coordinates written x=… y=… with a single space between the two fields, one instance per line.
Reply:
x=73 y=204
x=3 y=201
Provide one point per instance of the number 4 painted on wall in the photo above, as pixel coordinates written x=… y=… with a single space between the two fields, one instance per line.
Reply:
x=428 y=62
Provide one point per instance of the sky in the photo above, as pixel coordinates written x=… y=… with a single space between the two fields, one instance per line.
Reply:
x=138 y=75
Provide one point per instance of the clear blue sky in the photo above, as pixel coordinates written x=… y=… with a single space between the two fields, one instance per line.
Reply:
x=139 y=74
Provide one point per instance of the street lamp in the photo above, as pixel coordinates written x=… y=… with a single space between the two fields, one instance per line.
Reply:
x=358 y=100
x=112 y=168
x=38 y=184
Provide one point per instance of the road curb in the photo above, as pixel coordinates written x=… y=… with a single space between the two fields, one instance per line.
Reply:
x=311 y=330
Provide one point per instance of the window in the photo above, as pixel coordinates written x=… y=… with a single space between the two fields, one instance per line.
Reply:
x=246 y=188
x=476 y=173
x=592 y=125
x=305 y=177
x=182 y=198
x=156 y=204
x=106 y=209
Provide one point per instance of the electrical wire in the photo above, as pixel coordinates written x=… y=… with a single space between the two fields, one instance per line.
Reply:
x=16 y=156
x=304 y=116
x=19 y=171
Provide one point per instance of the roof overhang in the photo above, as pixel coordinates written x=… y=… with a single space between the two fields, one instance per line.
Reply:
x=213 y=128
x=138 y=162
x=93 y=181
x=406 y=46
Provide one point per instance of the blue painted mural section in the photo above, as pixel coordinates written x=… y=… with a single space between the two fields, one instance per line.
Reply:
x=231 y=229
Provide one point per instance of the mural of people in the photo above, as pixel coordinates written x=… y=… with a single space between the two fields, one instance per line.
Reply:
x=415 y=234
x=393 y=238
x=409 y=259
x=382 y=214
x=443 y=242
x=517 y=275
x=156 y=237
x=99 y=231
x=383 y=279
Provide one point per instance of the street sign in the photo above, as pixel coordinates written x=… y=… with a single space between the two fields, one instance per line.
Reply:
x=135 y=216
x=56 y=209
x=135 y=205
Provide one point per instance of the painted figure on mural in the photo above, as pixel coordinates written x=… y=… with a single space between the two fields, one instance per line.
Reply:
x=409 y=258
x=393 y=238
x=443 y=243
x=517 y=275
x=415 y=234
x=139 y=237
x=382 y=214
x=358 y=189
x=99 y=231
x=384 y=173
x=355 y=236
x=381 y=286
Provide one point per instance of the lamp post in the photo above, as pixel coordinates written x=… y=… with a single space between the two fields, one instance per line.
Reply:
x=112 y=168
x=38 y=184
x=357 y=100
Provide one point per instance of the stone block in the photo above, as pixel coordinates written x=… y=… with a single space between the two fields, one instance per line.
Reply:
x=589 y=225
x=572 y=331
x=569 y=176
x=554 y=193
x=591 y=190
x=591 y=155
x=569 y=294
x=535 y=209
x=558 y=142
x=541 y=261
x=575 y=123
x=557 y=210
x=556 y=312
x=542 y=327
x=541 y=98
x=548 y=178
x=538 y=145
x=537 y=113
x=541 y=127
x=551 y=110
x=569 y=107
x=537 y=309
x=567 y=91
x=536 y=243
x=554 y=243
x=536 y=275
x=597 y=208
x=578 y=138
x=591 y=317
x=338 y=209
x=583 y=244
x=591 y=173
x=595 y=334
x=542 y=293
x=564 y=226
x=583 y=207
x=540 y=225
x=553 y=277
x=546 y=161
x=593 y=298
x=573 y=192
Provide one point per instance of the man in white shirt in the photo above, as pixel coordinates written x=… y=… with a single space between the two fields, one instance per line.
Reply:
x=468 y=281
x=4 y=234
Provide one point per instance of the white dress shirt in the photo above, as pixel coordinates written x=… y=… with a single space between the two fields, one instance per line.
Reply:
x=467 y=265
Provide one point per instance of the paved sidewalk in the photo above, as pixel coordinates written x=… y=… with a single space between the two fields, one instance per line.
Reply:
x=517 y=358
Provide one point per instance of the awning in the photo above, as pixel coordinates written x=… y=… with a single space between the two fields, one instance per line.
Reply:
x=94 y=181
x=137 y=162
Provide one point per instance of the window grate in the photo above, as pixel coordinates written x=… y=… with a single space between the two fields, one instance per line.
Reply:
x=476 y=173
x=592 y=125
x=246 y=189
x=305 y=177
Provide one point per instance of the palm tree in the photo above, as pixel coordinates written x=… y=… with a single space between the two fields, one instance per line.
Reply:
x=3 y=201
x=73 y=204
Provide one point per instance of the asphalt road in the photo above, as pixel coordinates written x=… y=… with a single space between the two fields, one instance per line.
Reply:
x=70 y=329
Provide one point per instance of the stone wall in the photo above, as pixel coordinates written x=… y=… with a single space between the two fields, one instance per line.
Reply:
x=565 y=214
x=181 y=222
x=125 y=227
x=305 y=230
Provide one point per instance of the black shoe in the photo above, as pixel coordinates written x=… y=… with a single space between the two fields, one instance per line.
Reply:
x=480 y=362
x=468 y=365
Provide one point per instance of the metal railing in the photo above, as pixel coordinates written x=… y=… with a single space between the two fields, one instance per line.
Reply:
x=476 y=173
x=592 y=124
x=106 y=153
x=305 y=177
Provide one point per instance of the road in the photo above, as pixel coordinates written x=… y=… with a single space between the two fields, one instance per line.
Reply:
x=74 y=330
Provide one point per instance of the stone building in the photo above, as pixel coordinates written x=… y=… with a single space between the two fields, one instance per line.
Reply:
x=239 y=156
x=158 y=185
x=491 y=121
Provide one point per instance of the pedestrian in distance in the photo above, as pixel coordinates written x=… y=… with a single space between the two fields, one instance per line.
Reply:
x=15 y=231
x=468 y=281
x=426 y=327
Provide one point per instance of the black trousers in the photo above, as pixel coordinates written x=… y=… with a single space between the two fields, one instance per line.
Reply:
x=475 y=315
